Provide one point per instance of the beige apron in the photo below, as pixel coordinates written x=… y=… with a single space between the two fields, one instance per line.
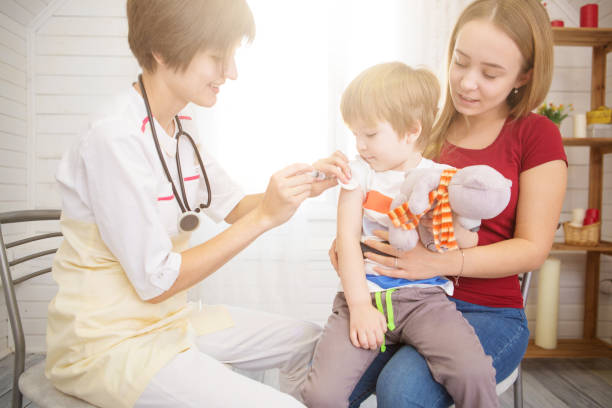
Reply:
x=104 y=343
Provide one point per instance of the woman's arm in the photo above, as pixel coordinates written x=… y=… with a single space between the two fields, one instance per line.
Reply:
x=286 y=191
x=541 y=194
x=367 y=325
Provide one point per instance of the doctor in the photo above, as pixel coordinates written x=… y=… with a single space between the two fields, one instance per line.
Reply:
x=120 y=330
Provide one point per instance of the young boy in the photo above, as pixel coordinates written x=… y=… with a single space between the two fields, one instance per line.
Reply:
x=391 y=109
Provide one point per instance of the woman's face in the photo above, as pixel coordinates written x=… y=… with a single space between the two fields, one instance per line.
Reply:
x=202 y=79
x=486 y=66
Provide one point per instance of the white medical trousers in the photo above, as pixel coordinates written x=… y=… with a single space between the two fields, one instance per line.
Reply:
x=258 y=341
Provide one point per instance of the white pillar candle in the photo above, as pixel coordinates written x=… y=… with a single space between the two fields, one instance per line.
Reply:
x=578 y=216
x=580 y=125
x=548 y=304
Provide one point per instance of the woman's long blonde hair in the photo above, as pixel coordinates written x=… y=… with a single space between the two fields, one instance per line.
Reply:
x=527 y=24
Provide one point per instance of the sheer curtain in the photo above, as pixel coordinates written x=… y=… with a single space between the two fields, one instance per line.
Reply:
x=284 y=108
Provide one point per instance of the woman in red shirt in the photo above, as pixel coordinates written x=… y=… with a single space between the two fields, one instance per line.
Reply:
x=500 y=69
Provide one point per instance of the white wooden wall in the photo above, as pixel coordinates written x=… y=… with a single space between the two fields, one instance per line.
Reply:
x=15 y=16
x=74 y=54
x=60 y=59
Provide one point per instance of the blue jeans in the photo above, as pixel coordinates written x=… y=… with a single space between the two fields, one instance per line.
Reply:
x=401 y=377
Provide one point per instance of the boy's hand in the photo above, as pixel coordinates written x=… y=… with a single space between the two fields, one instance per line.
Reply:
x=334 y=167
x=367 y=326
x=465 y=238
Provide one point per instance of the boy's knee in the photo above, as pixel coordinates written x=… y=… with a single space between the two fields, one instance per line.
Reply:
x=307 y=333
x=318 y=395
x=477 y=371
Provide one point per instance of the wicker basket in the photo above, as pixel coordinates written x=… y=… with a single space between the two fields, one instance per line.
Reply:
x=587 y=235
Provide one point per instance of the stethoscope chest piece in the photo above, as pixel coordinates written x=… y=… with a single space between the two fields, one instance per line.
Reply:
x=188 y=221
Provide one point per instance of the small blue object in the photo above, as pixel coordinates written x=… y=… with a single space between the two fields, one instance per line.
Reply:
x=387 y=282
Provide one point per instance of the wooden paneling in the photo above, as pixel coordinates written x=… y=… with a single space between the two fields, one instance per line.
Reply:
x=93 y=8
x=16 y=12
x=85 y=26
x=13 y=143
x=82 y=46
x=91 y=66
x=572 y=348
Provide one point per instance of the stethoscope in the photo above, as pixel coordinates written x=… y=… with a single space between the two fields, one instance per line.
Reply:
x=188 y=220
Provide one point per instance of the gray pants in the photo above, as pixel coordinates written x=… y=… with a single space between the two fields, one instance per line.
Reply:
x=424 y=318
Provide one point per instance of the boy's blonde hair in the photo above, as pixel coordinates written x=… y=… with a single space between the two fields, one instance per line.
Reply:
x=176 y=30
x=395 y=93
x=527 y=24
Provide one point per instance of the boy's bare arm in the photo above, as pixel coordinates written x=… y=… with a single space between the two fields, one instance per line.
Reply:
x=350 y=259
x=367 y=325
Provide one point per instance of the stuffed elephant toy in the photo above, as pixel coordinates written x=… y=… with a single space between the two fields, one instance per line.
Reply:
x=474 y=193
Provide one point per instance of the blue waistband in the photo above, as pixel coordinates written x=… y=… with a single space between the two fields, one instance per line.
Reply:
x=387 y=282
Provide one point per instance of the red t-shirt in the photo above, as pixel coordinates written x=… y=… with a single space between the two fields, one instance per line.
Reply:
x=521 y=145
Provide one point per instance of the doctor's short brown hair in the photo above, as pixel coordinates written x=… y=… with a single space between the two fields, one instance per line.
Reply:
x=176 y=30
x=395 y=93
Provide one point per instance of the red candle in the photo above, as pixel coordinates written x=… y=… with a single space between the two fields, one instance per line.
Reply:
x=557 y=23
x=588 y=15
x=591 y=216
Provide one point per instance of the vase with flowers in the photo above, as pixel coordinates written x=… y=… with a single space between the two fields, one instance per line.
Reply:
x=555 y=113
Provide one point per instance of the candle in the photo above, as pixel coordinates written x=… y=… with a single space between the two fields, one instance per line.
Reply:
x=589 y=15
x=557 y=23
x=548 y=304
x=580 y=125
x=591 y=216
x=578 y=215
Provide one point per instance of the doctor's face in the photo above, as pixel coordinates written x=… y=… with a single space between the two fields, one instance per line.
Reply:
x=202 y=79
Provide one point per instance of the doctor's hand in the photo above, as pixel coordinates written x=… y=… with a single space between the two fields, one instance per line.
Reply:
x=286 y=190
x=335 y=167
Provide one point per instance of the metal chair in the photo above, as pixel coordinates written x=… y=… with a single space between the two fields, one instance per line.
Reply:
x=515 y=377
x=31 y=382
x=518 y=383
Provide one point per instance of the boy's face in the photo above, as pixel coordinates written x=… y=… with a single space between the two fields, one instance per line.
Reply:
x=382 y=148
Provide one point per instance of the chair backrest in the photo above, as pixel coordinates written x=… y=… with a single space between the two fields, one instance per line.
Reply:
x=8 y=282
x=525 y=281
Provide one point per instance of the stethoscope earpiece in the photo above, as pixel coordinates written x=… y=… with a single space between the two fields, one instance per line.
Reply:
x=188 y=220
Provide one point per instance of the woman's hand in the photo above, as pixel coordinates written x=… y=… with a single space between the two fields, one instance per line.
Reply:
x=335 y=168
x=286 y=190
x=333 y=256
x=367 y=326
x=414 y=264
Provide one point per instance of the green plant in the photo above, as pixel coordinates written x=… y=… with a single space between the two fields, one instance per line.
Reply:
x=555 y=113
